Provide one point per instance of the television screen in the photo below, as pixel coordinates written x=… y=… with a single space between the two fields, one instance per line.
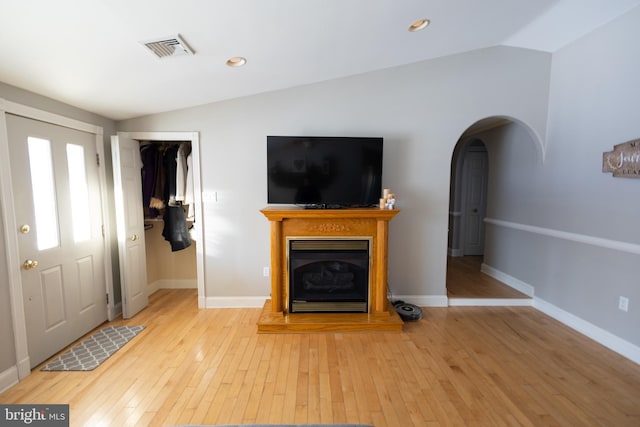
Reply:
x=326 y=172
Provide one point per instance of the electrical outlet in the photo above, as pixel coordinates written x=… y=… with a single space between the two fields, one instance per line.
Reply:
x=265 y=271
x=623 y=304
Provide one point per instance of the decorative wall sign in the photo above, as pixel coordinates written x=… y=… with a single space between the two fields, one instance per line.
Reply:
x=624 y=160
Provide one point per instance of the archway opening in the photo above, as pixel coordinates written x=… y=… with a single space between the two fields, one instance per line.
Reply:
x=476 y=175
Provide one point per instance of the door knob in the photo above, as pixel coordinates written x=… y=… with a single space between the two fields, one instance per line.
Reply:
x=133 y=237
x=29 y=264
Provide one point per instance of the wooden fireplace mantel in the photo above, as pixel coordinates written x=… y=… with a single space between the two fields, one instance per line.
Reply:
x=297 y=222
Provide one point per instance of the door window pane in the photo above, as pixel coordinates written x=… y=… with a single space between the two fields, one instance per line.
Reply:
x=79 y=192
x=44 y=196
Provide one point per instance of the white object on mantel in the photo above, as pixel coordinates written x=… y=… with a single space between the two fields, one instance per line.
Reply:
x=388 y=199
x=391 y=201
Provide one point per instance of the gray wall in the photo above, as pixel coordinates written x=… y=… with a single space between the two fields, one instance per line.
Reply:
x=589 y=91
x=593 y=105
x=420 y=109
x=11 y=93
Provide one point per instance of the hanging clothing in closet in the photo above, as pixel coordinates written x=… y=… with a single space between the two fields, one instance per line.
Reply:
x=184 y=178
x=164 y=187
x=148 y=156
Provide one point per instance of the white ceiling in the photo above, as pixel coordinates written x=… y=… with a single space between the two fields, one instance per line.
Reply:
x=87 y=52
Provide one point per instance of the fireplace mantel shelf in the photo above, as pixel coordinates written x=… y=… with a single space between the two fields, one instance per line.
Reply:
x=280 y=213
x=295 y=222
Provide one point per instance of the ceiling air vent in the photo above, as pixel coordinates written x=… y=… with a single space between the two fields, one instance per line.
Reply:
x=168 y=46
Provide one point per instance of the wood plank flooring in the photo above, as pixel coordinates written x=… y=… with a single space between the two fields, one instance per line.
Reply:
x=465 y=280
x=479 y=366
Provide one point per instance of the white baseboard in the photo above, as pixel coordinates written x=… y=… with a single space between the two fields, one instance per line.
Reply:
x=423 y=300
x=235 y=302
x=607 y=339
x=24 y=367
x=8 y=378
x=508 y=280
x=490 y=302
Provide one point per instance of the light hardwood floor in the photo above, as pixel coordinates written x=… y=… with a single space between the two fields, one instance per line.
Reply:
x=465 y=280
x=456 y=366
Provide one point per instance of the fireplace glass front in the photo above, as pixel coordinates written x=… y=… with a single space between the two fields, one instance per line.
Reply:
x=328 y=275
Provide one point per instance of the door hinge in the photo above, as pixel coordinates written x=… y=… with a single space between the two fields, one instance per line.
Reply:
x=107 y=299
x=98 y=159
x=102 y=230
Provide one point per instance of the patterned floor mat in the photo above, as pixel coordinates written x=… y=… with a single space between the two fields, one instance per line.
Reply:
x=91 y=352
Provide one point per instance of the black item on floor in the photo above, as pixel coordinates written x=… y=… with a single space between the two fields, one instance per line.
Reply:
x=408 y=312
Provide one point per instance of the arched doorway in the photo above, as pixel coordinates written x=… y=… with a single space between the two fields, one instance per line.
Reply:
x=469 y=202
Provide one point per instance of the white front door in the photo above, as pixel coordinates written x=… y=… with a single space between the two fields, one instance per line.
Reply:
x=130 y=223
x=57 y=204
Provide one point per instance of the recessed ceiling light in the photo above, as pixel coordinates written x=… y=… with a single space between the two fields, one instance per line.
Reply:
x=236 y=61
x=419 y=25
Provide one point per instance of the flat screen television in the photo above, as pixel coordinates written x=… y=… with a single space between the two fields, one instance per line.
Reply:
x=324 y=172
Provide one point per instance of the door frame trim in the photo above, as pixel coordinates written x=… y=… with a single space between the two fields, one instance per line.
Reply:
x=198 y=231
x=11 y=225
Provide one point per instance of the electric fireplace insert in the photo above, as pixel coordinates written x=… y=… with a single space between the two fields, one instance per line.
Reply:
x=328 y=275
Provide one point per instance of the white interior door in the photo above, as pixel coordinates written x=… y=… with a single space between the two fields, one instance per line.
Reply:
x=475 y=206
x=57 y=204
x=130 y=223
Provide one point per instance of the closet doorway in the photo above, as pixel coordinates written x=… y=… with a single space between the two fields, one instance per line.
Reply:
x=135 y=231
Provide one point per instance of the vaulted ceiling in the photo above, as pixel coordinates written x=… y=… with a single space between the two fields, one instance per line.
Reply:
x=89 y=53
